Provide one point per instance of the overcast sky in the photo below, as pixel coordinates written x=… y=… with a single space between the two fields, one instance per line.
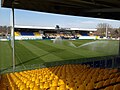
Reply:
x=23 y=17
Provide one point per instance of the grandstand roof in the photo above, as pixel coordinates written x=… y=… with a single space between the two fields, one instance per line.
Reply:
x=53 y=28
x=109 y=9
x=33 y=27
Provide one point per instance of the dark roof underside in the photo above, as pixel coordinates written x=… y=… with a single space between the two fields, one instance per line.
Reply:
x=109 y=9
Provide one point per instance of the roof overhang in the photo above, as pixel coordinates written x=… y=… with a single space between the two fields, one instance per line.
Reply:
x=53 y=28
x=108 y=9
x=33 y=27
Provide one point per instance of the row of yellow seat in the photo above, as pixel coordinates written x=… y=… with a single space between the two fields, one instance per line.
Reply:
x=37 y=34
x=17 y=34
x=65 y=77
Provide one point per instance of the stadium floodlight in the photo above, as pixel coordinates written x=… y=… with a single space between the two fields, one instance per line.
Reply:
x=106 y=32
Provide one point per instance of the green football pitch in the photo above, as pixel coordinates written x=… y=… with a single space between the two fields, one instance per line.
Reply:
x=41 y=51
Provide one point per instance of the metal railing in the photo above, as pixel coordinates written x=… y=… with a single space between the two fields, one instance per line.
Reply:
x=102 y=62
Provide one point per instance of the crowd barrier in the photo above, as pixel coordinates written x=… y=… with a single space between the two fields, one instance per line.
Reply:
x=101 y=62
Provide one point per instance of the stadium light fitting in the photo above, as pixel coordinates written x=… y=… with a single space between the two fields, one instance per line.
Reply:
x=16 y=2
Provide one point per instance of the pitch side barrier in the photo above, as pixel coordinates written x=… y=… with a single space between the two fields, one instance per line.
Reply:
x=96 y=62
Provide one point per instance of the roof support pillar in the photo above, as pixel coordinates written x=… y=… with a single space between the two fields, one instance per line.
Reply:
x=13 y=36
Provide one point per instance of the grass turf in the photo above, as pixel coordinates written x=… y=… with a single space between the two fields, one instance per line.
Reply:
x=41 y=51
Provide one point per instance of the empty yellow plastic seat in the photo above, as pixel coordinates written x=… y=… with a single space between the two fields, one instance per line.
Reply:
x=36 y=88
x=94 y=79
x=116 y=87
x=53 y=88
x=106 y=76
x=55 y=82
x=26 y=89
x=32 y=84
x=99 y=84
x=90 y=86
x=19 y=84
x=62 y=87
x=107 y=82
x=109 y=88
x=113 y=80
x=87 y=81
x=33 y=78
x=118 y=79
x=82 y=87
x=41 y=85
x=46 y=85
x=28 y=83
x=112 y=76
x=22 y=87
x=37 y=81
x=100 y=78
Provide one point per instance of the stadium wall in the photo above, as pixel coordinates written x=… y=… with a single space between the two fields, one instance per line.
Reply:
x=27 y=37
x=3 y=39
x=89 y=37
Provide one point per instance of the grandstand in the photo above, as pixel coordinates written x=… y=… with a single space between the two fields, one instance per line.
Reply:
x=35 y=32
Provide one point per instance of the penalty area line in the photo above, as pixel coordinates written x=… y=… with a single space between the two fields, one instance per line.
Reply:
x=21 y=61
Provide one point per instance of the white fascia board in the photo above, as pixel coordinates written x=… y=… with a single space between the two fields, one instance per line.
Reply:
x=33 y=27
x=38 y=27
x=83 y=29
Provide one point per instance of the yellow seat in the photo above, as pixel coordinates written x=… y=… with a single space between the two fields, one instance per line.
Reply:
x=28 y=83
x=61 y=82
x=116 y=87
x=107 y=82
x=94 y=79
x=46 y=85
x=20 y=84
x=112 y=76
x=17 y=82
x=36 y=88
x=41 y=85
x=53 y=88
x=90 y=86
x=22 y=87
x=99 y=84
x=37 y=81
x=33 y=78
x=26 y=89
x=31 y=85
x=82 y=87
x=72 y=84
x=118 y=79
x=25 y=80
x=109 y=88
x=106 y=76
x=100 y=78
x=55 y=82
x=113 y=80
x=87 y=81
x=62 y=87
